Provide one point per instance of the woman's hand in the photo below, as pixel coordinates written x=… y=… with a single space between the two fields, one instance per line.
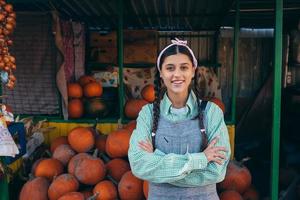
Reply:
x=146 y=145
x=214 y=154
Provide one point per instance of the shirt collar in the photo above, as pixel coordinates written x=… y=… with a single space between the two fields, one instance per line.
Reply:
x=166 y=103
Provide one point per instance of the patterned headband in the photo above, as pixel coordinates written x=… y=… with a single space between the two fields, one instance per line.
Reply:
x=179 y=43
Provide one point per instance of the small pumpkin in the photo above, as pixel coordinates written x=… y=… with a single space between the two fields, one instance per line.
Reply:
x=81 y=139
x=237 y=177
x=251 y=194
x=95 y=107
x=35 y=189
x=148 y=93
x=61 y=185
x=130 y=126
x=101 y=142
x=106 y=190
x=63 y=153
x=75 y=108
x=133 y=107
x=117 y=143
x=145 y=188
x=230 y=195
x=48 y=168
x=130 y=187
x=85 y=79
x=117 y=167
x=93 y=89
x=58 y=141
x=74 y=162
x=74 y=90
x=90 y=170
x=72 y=196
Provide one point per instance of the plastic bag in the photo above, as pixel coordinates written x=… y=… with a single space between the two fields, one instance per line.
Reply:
x=8 y=146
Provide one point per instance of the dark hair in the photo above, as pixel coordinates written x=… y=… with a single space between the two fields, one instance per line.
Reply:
x=160 y=91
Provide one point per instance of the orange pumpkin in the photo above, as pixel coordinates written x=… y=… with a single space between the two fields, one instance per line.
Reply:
x=133 y=107
x=49 y=168
x=74 y=162
x=35 y=189
x=145 y=188
x=58 y=141
x=148 y=93
x=106 y=190
x=74 y=90
x=251 y=194
x=85 y=79
x=93 y=89
x=72 y=196
x=130 y=126
x=230 y=195
x=237 y=177
x=61 y=185
x=117 y=143
x=130 y=187
x=63 y=153
x=75 y=108
x=90 y=170
x=36 y=164
x=101 y=142
x=87 y=193
x=81 y=139
x=117 y=167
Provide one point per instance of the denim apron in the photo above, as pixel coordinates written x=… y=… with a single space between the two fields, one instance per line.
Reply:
x=177 y=137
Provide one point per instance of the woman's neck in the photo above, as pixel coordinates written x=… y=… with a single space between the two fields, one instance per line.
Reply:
x=178 y=100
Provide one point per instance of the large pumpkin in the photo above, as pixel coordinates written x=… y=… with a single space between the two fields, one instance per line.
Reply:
x=148 y=93
x=72 y=196
x=93 y=89
x=90 y=170
x=61 y=185
x=49 y=168
x=74 y=90
x=75 y=161
x=75 y=108
x=57 y=142
x=95 y=107
x=117 y=167
x=81 y=139
x=237 y=177
x=83 y=80
x=117 y=143
x=35 y=189
x=130 y=187
x=230 y=195
x=133 y=107
x=63 y=153
x=106 y=190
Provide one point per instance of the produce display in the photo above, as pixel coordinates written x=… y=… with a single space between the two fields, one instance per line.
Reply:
x=7 y=61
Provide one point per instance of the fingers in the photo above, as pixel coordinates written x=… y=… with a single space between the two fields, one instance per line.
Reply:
x=146 y=146
x=213 y=142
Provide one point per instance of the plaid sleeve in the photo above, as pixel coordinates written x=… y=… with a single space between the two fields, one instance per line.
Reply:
x=214 y=172
x=156 y=167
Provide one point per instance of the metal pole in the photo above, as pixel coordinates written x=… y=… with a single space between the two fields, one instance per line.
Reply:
x=276 y=100
x=235 y=61
x=120 y=58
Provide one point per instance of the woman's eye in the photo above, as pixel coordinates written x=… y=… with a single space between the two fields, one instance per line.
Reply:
x=170 y=68
x=184 y=67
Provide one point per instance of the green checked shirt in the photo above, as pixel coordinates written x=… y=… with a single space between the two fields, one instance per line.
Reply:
x=190 y=169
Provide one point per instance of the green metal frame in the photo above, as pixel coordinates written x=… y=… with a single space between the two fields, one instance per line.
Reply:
x=276 y=99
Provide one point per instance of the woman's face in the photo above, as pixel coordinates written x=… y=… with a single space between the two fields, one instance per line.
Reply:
x=177 y=72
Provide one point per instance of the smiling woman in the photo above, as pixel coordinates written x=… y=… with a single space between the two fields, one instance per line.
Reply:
x=181 y=144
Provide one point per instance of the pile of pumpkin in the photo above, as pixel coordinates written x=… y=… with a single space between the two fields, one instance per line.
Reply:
x=85 y=165
x=133 y=106
x=84 y=98
x=237 y=183
x=7 y=61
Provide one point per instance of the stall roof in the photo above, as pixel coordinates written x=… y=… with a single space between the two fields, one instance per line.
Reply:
x=185 y=15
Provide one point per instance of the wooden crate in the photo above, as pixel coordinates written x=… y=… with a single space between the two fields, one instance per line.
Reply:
x=140 y=53
x=104 y=55
x=103 y=40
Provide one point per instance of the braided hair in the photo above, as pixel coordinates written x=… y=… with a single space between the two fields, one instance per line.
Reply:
x=160 y=90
